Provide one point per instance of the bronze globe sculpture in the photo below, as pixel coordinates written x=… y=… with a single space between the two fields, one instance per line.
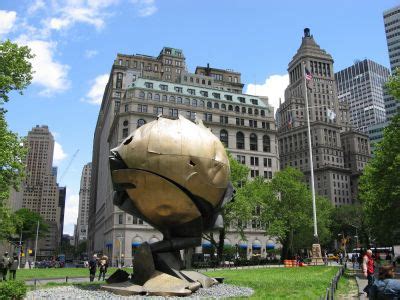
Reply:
x=174 y=175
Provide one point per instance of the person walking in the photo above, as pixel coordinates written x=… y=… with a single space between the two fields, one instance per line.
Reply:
x=103 y=266
x=4 y=265
x=368 y=270
x=92 y=267
x=13 y=267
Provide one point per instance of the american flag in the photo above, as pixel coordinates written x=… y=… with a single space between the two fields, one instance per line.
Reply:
x=308 y=74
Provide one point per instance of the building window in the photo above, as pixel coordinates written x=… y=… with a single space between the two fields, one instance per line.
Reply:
x=157 y=97
x=140 y=123
x=250 y=111
x=230 y=107
x=158 y=110
x=253 y=161
x=243 y=110
x=241 y=159
x=126 y=108
x=267 y=162
x=254 y=101
x=149 y=96
x=173 y=112
x=223 y=119
x=164 y=98
x=216 y=105
x=228 y=97
x=239 y=140
x=262 y=112
x=142 y=108
x=187 y=101
x=266 y=143
x=172 y=99
x=216 y=95
x=191 y=91
x=178 y=89
x=201 y=103
x=164 y=87
x=204 y=93
x=148 y=85
x=194 y=102
x=118 y=84
x=224 y=138
x=209 y=104
x=179 y=100
x=208 y=117
x=125 y=133
x=120 y=221
x=253 y=142
x=141 y=95
x=223 y=106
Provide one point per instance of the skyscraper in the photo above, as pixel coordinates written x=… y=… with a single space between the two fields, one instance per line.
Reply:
x=40 y=190
x=391 y=18
x=361 y=87
x=339 y=152
x=140 y=88
x=84 y=198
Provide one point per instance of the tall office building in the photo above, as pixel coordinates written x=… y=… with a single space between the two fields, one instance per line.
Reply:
x=339 y=152
x=391 y=18
x=40 y=192
x=140 y=88
x=361 y=87
x=84 y=198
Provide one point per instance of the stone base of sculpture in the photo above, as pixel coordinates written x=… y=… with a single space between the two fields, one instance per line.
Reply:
x=316 y=258
x=159 y=274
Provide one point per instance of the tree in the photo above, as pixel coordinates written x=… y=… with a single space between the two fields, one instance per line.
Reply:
x=288 y=213
x=237 y=209
x=15 y=68
x=393 y=84
x=380 y=187
x=27 y=220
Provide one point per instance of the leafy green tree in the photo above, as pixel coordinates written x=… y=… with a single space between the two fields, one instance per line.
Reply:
x=380 y=187
x=26 y=221
x=393 y=84
x=15 y=68
x=237 y=209
x=7 y=226
x=288 y=214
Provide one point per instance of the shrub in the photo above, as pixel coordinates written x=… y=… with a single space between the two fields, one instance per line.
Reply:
x=14 y=290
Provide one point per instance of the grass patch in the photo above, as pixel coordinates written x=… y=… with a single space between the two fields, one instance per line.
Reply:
x=274 y=283
x=26 y=274
x=347 y=285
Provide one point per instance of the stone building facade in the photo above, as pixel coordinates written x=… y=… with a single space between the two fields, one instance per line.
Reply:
x=142 y=87
x=331 y=135
x=84 y=198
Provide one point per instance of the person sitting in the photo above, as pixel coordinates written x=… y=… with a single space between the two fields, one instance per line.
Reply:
x=385 y=287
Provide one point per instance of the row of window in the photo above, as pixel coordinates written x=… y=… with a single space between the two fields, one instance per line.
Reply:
x=201 y=103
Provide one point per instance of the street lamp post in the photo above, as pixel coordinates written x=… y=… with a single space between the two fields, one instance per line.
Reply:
x=120 y=238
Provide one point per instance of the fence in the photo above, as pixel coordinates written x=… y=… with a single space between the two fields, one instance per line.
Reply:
x=330 y=291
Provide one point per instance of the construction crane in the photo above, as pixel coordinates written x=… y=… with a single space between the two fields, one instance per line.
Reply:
x=69 y=164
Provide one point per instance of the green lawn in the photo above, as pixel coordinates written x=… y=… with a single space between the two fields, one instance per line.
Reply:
x=24 y=274
x=274 y=283
x=347 y=285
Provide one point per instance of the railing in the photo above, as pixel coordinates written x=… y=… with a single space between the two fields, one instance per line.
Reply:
x=330 y=291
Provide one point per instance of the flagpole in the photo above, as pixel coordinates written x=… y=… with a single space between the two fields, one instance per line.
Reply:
x=311 y=159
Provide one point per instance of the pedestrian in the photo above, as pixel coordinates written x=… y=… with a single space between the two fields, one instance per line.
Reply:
x=4 y=265
x=354 y=259
x=92 y=267
x=368 y=270
x=103 y=266
x=385 y=287
x=30 y=264
x=13 y=266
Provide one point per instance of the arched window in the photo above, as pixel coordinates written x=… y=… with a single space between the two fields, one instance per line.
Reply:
x=256 y=111
x=216 y=105
x=223 y=137
x=179 y=100
x=223 y=106
x=237 y=109
x=149 y=96
x=263 y=112
x=140 y=122
x=187 y=101
x=194 y=102
x=141 y=95
x=250 y=111
x=164 y=98
x=253 y=142
x=209 y=82
x=230 y=107
x=243 y=110
x=203 y=81
x=209 y=104
x=172 y=99
x=239 y=140
x=201 y=103
x=157 y=97
x=266 y=143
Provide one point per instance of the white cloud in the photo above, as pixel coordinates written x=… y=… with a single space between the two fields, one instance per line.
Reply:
x=58 y=24
x=95 y=94
x=48 y=73
x=59 y=154
x=71 y=212
x=91 y=53
x=35 y=6
x=273 y=87
x=145 y=7
x=7 y=20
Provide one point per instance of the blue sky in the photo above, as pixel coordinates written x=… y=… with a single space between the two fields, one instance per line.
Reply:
x=76 y=41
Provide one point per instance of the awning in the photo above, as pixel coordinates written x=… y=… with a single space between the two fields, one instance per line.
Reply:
x=108 y=245
x=136 y=244
x=270 y=245
x=256 y=244
x=206 y=244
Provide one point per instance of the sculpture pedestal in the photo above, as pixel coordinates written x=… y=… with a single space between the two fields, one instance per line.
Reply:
x=316 y=258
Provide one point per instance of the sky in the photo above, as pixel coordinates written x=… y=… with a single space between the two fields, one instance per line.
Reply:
x=76 y=42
